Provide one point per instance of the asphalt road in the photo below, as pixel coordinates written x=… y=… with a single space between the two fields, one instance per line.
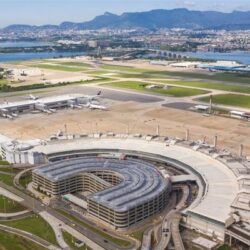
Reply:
x=37 y=207
x=29 y=236
x=179 y=105
x=171 y=223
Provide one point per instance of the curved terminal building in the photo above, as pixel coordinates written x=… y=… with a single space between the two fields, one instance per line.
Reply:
x=120 y=192
x=123 y=192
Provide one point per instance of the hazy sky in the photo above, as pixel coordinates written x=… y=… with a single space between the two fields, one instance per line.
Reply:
x=56 y=11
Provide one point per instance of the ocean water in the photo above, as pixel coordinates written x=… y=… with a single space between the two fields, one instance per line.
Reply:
x=24 y=56
x=23 y=44
x=240 y=56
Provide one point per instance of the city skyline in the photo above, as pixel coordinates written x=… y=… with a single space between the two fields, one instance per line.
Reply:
x=25 y=11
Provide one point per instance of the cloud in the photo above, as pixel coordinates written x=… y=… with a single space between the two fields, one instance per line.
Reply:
x=243 y=7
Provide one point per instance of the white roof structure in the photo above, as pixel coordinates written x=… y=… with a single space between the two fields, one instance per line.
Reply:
x=4 y=139
x=46 y=100
x=221 y=182
x=202 y=107
x=140 y=181
x=184 y=64
x=203 y=242
x=7 y=105
x=59 y=98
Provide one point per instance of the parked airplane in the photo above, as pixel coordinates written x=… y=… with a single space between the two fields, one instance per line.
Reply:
x=94 y=106
x=32 y=97
x=97 y=106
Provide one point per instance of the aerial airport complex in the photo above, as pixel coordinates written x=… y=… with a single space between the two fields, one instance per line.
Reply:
x=113 y=180
x=123 y=180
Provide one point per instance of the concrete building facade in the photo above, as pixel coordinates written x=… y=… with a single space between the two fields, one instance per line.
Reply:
x=122 y=192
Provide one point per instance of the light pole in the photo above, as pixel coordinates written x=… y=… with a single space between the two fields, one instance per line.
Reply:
x=4 y=205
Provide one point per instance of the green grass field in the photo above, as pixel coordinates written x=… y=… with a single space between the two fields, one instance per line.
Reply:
x=223 y=77
x=7 y=179
x=102 y=73
x=9 y=206
x=69 y=239
x=59 y=67
x=224 y=247
x=4 y=163
x=13 y=242
x=76 y=64
x=230 y=100
x=171 y=91
x=9 y=170
x=122 y=68
x=25 y=180
x=211 y=85
x=115 y=240
x=36 y=225
x=3 y=82
x=137 y=235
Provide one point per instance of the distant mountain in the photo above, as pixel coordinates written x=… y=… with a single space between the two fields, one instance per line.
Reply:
x=155 y=19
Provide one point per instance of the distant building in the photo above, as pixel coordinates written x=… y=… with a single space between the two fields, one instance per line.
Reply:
x=185 y=64
x=203 y=108
x=79 y=243
x=92 y=44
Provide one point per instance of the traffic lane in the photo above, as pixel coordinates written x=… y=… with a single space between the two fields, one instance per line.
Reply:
x=37 y=207
x=27 y=235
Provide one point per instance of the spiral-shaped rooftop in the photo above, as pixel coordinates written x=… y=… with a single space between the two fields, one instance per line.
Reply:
x=139 y=181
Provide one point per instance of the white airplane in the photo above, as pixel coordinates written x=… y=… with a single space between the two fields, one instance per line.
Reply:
x=9 y=116
x=94 y=106
x=32 y=97
x=97 y=106
x=14 y=115
x=73 y=106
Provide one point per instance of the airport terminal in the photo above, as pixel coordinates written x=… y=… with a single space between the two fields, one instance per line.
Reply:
x=47 y=105
x=116 y=178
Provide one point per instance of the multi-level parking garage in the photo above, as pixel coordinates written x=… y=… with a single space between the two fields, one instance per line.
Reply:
x=123 y=192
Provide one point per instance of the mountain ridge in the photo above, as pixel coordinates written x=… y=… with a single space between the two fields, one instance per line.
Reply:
x=154 y=19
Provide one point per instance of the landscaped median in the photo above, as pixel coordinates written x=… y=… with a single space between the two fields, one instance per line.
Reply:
x=9 y=206
x=34 y=224
x=159 y=89
x=118 y=241
x=4 y=163
x=234 y=100
x=7 y=178
x=7 y=173
x=15 y=242
x=70 y=240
